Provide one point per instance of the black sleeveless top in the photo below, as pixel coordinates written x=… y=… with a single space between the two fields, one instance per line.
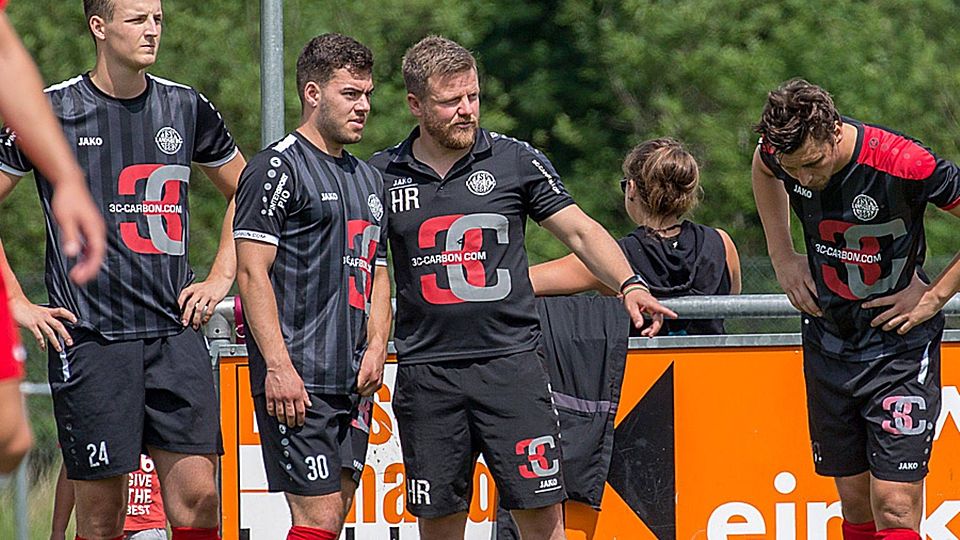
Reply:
x=691 y=263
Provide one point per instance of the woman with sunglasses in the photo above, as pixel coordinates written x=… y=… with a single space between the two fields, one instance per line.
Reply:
x=675 y=256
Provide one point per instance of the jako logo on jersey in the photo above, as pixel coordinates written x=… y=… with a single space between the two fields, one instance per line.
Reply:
x=161 y=206
x=329 y=196
x=861 y=257
x=90 y=141
x=481 y=183
x=864 y=207
x=900 y=408
x=169 y=140
x=466 y=275
x=538 y=465
x=376 y=207
x=802 y=191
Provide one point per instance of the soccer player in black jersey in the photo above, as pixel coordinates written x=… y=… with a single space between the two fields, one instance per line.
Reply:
x=132 y=369
x=470 y=378
x=310 y=218
x=871 y=318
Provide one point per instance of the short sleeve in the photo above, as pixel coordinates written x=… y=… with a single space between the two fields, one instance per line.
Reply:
x=266 y=196
x=12 y=160
x=943 y=186
x=545 y=192
x=214 y=144
x=381 y=258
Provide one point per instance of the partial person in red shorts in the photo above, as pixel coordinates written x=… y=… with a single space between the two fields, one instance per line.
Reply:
x=23 y=107
x=145 y=519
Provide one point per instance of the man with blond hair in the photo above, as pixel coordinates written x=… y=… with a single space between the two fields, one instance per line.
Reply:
x=129 y=369
x=470 y=379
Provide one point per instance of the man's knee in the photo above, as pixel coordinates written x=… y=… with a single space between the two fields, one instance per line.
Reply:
x=897 y=505
x=544 y=523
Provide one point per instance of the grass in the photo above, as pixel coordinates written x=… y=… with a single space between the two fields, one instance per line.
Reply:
x=39 y=507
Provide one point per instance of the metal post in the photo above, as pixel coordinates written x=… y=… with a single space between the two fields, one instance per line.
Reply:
x=22 y=491
x=271 y=71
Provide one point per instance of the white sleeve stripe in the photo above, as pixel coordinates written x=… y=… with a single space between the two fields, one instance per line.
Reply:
x=256 y=235
x=223 y=161
x=10 y=170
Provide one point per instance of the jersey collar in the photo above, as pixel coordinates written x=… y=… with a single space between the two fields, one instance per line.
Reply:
x=482 y=148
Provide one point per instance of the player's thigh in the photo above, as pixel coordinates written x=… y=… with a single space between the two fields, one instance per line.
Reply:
x=838 y=432
x=438 y=451
x=98 y=402
x=181 y=406
x=902 y=411
x=518 y=428
x=305 y=460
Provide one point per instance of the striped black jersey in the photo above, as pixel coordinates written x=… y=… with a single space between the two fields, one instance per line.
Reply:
x=136 y=154
x=864 y=238
x=326 y=217
x=463 y=286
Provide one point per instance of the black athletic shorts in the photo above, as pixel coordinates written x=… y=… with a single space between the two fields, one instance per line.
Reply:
x=307 y=460
x=111 y=399
x=448 y=413
x=876 y=416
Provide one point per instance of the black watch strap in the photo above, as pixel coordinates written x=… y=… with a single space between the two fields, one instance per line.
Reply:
x=635 y=279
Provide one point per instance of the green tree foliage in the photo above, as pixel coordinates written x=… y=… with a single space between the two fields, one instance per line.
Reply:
x=584 y=80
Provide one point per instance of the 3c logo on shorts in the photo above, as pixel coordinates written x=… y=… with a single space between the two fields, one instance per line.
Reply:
x=900 y=408
x=536 y=450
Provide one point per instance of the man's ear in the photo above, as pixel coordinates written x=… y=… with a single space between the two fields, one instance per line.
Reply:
x=415 y=105
x=312 y=94
x=96 y=24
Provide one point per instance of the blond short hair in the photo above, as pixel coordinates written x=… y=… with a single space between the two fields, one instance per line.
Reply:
x=434 y=55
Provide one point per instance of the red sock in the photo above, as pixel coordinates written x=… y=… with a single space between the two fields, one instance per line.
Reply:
x=309 y=533
x=859 y=531
x=192 y=533
x=897 y=534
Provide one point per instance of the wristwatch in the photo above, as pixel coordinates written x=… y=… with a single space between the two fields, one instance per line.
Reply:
x=635 y=279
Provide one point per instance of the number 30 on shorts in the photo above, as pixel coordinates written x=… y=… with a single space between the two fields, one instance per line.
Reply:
x=318 y=468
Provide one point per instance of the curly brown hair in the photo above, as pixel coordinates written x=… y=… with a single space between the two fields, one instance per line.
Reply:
x=794 y=111
x=666 y=177
x=326 y=53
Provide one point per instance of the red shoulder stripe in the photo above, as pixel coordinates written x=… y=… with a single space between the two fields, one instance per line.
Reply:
x=3 y=4
x=952 y=205
x=895 y=154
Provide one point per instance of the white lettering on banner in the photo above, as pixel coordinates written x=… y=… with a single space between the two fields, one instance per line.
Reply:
x=738 y=517
x=950 y=405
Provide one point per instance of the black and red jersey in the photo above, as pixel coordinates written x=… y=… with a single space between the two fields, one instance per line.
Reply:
x=327 y=219
x=463 y=288
x=136 y=154
x=864 y=237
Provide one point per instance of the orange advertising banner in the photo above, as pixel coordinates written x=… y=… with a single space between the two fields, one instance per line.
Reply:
x=710 y=443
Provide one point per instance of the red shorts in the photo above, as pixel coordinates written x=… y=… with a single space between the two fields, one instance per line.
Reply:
x=11 y=353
